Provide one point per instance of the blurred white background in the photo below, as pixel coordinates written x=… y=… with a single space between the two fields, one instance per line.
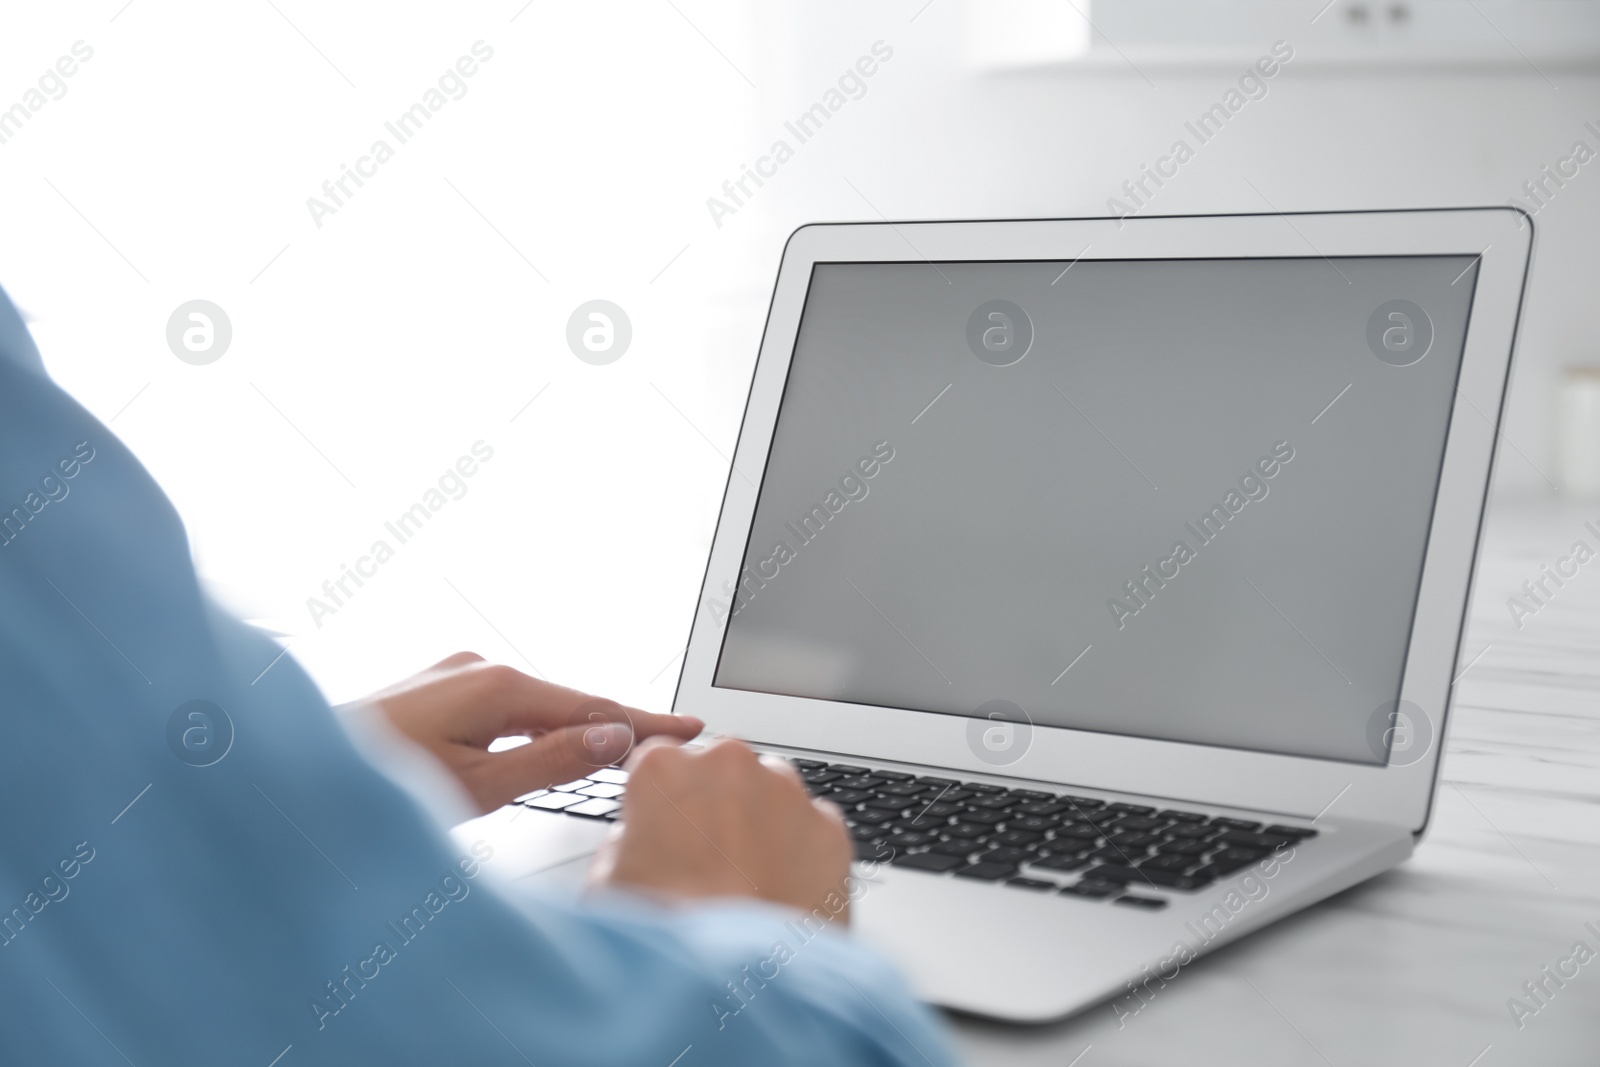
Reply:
x=429 y=312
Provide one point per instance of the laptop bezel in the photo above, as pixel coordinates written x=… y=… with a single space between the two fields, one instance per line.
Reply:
x=1501 y=239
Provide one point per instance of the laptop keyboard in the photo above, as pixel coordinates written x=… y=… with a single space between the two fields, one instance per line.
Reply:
x=594 y=797
x=1028 y=839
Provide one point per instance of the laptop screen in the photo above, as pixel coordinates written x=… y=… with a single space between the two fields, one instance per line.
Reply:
x=1176 y=499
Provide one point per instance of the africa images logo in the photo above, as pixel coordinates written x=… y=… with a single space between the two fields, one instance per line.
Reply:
x=199 y=733
x=999 y=333
x=199 y=332
x=999 y=733
x=599 y=332
x=1400 y=333
x=1399 y=733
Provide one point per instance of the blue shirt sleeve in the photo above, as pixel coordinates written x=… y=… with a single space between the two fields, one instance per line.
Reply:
x=199 y=868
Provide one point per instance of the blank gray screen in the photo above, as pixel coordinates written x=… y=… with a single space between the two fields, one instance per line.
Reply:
x=1018 y=538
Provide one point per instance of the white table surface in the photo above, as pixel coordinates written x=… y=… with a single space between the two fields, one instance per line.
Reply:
x=1416 y=966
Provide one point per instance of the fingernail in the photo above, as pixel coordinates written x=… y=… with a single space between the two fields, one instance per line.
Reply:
x=608 y=743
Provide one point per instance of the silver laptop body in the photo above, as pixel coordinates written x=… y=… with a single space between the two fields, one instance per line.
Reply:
x=1110 y=574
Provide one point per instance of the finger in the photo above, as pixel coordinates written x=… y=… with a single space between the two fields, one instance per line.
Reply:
x=526 y=704
x=732 y=752
x=781 y=767
x=426 y=675
x=512 y=702
x=644 y=723
x=649 y=724
x=831 y=811
x=559 y=756
x=457 y=659
x=645 y=747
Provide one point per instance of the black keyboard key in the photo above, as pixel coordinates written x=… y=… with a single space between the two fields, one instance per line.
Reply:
x=847 y=768
x=1245 y=839
x=981 y=787
x=808 y=764
x=992 y=802
x=987 y=872
x=1112 y=854
x=967 y=831
x=869 y=818
x=847 y=798
x=1032 y=883
x=1145 y=903
x=1184 y=848
x=1290 y=831
x=911 y=839
x=1036 y=823
x=939 y=809
x=1064 y=848
x=1018 y=838
x=867 y=833
x=927 y=861
x=1059 y=863
x=1078 y=831
x=1138 y=822
x=1181 y=816
x=1086 y=803
x=1154 y=876
x=983 y=818
x=956 y=848
x=1160 y=863
x=1043 y=807
x=1232 y=859
x=1247 y=853
x=895 y=804
x=1133 y=809
x=1235 y=824
x=1009 y=856
x=860 y=781
x=1032 y=794
x=939 y=783
x=1092 y=890
x=878 y=851
x=901 y=789
x=1131 y=841
x=894 y=776
x=820 y=777
x=1186 y=831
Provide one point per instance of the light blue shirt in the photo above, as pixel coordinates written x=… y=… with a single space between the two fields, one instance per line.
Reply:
x=183 y=886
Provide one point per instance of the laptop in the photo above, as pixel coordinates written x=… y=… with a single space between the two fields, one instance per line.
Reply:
x=1110 y=575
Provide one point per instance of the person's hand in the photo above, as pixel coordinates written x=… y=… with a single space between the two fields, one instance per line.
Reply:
x=722 y=821
x=455 y=708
